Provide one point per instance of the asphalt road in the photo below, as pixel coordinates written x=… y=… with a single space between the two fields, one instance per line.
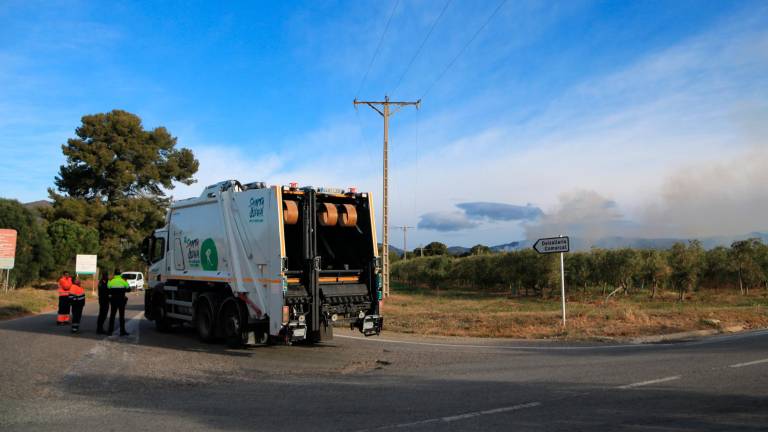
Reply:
x=53 y=381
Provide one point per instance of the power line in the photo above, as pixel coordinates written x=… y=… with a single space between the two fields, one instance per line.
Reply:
x=378 y=48
x=423 y=42
x=464 y=48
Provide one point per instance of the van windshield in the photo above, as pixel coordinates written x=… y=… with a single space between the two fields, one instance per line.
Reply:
x=127 y=276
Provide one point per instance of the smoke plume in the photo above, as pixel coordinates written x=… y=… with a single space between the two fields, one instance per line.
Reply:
x=716 y=198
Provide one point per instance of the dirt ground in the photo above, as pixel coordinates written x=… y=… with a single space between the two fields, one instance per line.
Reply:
x=460 y=313
x=26 y=301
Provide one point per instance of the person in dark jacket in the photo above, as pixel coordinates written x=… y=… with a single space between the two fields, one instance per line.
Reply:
x=117 y=288
x=103 y=302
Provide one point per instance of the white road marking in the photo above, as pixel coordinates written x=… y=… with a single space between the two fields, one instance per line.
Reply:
x=83 y=364
x=706 y=341
x=502 y=347
x=645 y=383
x=101 y=350
x=132 y=327
x=137 y=319
x=738 y=365
x=458 y=417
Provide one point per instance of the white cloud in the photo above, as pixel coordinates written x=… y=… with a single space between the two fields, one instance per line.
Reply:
x=218 y=162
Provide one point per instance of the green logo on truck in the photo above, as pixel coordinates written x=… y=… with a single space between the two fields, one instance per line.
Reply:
x=193 y=251
x=209 y=257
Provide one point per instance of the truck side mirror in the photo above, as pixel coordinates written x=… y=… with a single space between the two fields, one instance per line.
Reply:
x=146 y=250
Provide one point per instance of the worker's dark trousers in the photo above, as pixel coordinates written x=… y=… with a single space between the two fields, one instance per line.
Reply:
x=117 y=302
x=64 y=306
x=103 y=311
x=77 y=313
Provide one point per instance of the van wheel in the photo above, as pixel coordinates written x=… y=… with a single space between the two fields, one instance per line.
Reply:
x=204 y=321
x=233 y=321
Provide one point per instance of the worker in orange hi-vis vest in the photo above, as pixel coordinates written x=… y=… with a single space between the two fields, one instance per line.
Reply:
x=65 y=282
x=77 y=302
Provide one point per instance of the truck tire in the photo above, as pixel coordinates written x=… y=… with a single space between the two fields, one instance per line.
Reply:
x=261 y=335
x=233 y=322
x=162 y=322
x=204 y=321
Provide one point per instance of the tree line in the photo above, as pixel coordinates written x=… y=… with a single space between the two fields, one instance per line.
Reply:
x=108 y=196
x=684 y=267
x=44 y=248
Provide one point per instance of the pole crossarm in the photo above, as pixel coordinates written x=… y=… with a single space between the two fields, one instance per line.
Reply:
x=389 y=102
x=383 y=108
x=378 y=106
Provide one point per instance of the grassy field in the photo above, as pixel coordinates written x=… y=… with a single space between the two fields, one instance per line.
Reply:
x=26 y=301
x=457 y=313
x=462 y=313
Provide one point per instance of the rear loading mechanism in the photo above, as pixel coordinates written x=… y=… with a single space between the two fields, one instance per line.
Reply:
x=331 y=266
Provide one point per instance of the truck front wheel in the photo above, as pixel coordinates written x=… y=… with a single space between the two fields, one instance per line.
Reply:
x=233 y=321
x=204 y=321
x=162 y=322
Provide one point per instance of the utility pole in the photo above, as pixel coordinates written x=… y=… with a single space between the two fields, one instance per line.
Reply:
x=383 y=108
x=405 y=240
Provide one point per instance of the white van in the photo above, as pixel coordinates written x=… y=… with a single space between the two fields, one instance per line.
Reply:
x=135 y=280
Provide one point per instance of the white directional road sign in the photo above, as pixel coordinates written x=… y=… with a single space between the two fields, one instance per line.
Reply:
x=85 y=264
x=552 y=245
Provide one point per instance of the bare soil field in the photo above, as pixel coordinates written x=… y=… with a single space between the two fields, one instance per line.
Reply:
x=26 y=301
x=462 y=313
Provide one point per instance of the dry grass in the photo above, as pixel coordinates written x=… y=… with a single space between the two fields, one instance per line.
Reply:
x=455 y=313
x=26 y=301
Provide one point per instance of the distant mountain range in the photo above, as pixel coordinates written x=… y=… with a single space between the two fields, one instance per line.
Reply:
x=578 y=244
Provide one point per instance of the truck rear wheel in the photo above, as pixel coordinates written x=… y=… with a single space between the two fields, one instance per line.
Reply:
x=204 y=321
x=233 y=321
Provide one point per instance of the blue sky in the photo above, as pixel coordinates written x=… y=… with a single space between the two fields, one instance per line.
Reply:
x=592 y=118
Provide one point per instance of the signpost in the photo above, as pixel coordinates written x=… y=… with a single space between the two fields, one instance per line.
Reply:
x=7 y=253
x=86 y=265
x=559 y=245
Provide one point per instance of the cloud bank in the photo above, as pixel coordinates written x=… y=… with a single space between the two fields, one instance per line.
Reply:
x=446 y=221
x=474 y=214
x=499 y=211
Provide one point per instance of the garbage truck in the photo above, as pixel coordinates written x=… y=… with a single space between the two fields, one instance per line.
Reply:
x=248 y=264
